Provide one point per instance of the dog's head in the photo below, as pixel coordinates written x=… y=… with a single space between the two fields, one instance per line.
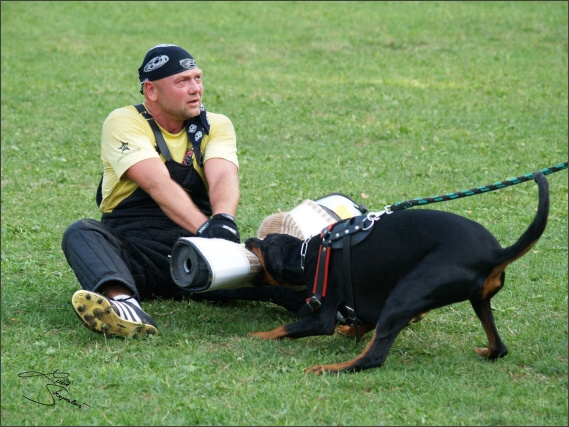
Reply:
x=279 y=255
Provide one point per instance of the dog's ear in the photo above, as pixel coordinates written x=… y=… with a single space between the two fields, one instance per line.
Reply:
x=281 y=253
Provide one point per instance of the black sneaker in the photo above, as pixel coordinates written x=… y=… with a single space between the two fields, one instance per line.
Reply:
x=111 y=316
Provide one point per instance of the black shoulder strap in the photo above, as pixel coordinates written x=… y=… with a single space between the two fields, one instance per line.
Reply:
x=99 y=193
x=161 y=146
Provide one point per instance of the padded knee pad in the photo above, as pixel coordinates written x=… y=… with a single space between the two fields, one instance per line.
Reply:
x=96 y=255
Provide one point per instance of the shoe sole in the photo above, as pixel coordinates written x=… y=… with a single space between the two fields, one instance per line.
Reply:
x=98 y=315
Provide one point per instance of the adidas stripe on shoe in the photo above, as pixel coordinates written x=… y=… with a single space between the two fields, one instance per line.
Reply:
x=112 y=316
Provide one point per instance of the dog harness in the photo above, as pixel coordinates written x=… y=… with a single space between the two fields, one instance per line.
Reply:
x=341 y=235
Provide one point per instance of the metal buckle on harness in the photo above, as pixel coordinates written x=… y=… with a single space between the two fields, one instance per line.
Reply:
x=354 y=322
x=351 y=314
x=313 y=302
x=372 y=217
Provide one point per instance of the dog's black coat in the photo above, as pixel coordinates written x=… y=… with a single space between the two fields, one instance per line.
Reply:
x=413 y=261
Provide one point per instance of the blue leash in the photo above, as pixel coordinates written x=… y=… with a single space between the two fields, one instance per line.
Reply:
x=483 y=189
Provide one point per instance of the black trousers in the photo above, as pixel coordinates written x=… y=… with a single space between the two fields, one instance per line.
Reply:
x=135 y=253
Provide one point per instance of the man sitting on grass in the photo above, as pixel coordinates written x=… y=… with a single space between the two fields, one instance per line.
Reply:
x=170 y=171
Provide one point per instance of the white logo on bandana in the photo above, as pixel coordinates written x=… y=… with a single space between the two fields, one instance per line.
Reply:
x=156 y=63
x=188 y=63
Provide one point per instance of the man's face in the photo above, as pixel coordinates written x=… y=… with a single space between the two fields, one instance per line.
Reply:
x=180 y=95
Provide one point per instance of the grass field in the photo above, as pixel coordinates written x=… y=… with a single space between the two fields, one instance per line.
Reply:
x=382 y=101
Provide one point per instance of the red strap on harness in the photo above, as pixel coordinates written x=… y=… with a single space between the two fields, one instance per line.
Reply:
x=321 y=277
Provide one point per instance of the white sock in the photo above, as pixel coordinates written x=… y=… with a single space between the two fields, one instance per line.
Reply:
x=128 y=297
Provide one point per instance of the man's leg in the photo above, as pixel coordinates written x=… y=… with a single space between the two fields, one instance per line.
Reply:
x=109 y=302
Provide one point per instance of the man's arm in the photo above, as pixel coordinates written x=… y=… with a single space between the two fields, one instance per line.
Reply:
x=152 y=176
x=223 y=180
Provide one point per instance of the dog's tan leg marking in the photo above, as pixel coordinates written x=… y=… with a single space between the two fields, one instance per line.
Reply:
x=350 y=330
x=337 y=367
x=482 y=351
x=418 y=317
x=275 y=334
x=496 y=348
x=493 y=282
x=490 y=331
x=491 y=286
x=485 y=351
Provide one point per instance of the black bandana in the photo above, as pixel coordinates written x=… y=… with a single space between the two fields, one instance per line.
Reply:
x=164 y=60
x=195 y=128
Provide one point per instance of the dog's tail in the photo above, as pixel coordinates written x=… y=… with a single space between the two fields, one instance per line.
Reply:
x=536 y=228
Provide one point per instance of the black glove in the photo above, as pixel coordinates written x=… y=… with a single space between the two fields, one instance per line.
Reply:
x=221 y=226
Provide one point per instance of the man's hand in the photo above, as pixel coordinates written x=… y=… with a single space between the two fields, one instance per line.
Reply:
x=222 y=226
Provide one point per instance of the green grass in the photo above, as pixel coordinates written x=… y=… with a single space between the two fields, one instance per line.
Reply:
x=382 y=101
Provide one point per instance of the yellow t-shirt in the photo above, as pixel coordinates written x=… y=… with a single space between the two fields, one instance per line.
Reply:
x=127 y=138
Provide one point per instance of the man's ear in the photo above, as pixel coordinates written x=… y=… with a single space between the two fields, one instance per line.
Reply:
x=149 y=89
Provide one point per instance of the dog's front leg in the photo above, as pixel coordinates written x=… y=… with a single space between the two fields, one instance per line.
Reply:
x=321 y=322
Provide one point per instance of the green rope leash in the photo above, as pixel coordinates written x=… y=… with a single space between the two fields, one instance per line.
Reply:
x=483 y=189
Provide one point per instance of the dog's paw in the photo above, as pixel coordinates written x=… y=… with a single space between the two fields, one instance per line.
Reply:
x=336 y=368
x=350 y=330
x=275 y=334
x=482 y=351
x=260 y=335
x=316 y=370
x=490 y=354
x=346 y=330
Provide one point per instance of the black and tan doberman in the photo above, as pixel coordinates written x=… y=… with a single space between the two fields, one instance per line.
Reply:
x=407 y=263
